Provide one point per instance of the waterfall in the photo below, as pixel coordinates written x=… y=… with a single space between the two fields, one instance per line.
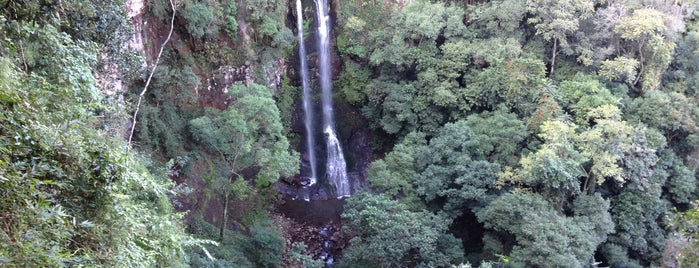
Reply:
x=310 y=141
x=336 y=168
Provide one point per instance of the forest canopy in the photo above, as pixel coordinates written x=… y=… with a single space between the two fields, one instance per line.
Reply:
x=504 y=133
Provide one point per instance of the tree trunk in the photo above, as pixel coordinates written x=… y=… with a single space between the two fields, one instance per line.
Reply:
x=590 y=183
x=224 y=220
x=553 y=55
x=640 y=71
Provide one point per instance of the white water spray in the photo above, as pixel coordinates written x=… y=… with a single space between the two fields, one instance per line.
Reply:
x=336 y=168
x=310 y=141
x=335 y=165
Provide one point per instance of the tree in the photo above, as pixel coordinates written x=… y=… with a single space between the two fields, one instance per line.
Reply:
x=638 y=234
x=605 y=144
x=247 y=134
x=669 y=112
x=498 y=135
x=412 y=33
x=687 y=223
x=267 y=243
x=421 y=58
x=200 y=18
x=266 y=17
x=450 y=174
x=514 y=81
x=556 y=19
x=72 y=194
x=643 y=163
x=386 y=234
x=150 y=76
x=583 y=93
x=396 y=174
x=545 y=237
x=498 y=17
x=556 y=166
x=681 y=182
x=646 y=31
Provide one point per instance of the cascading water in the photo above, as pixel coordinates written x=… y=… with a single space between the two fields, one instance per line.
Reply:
x=336 y=167
x=310 y=141
x=322 y=207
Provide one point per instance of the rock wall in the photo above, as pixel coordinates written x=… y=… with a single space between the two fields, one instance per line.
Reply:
x=135 y=10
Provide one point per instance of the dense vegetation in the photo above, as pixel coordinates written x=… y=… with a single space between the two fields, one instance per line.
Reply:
x=565 y=129
x=71 y=191
x=511 y=133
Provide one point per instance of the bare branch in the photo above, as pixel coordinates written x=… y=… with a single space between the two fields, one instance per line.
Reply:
x=157 y=59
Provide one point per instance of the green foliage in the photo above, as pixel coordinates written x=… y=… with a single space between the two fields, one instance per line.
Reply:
x=353 y=79
x=637 y=216
x=682 y=76
x=544 y=236
x=582 y=94
x=397 y=173
x=420 y=76
x=643 y=160
x=386 y=234
x=556 y=165
x=412 y=33
x=646 y=28
x=260 y=246
x=404 y=110
x=231 y=252
x=557 y=20
x=246 y=136
x=72 y=195
x=682 y=183
x=498 y=135
x=668 y=112
x=41 y=48
x=606 y=143
x=513 y=82
x=620 y=68
x=161 y=9
x=687 y=224
x=200 y=18
x=618 y=255
x=451 y=171
x=356 y=22
x=268 y=244
x=230 y=11
x=266 y=16
x=103 y=22
x=286 y=100
x=248 y=133
x=642 y=24
x=463 y=87
x=300 y=258
x=163 y=119
x=499 y=17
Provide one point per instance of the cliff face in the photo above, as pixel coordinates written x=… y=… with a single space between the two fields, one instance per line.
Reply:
x=135 y=10
x=109 y=77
